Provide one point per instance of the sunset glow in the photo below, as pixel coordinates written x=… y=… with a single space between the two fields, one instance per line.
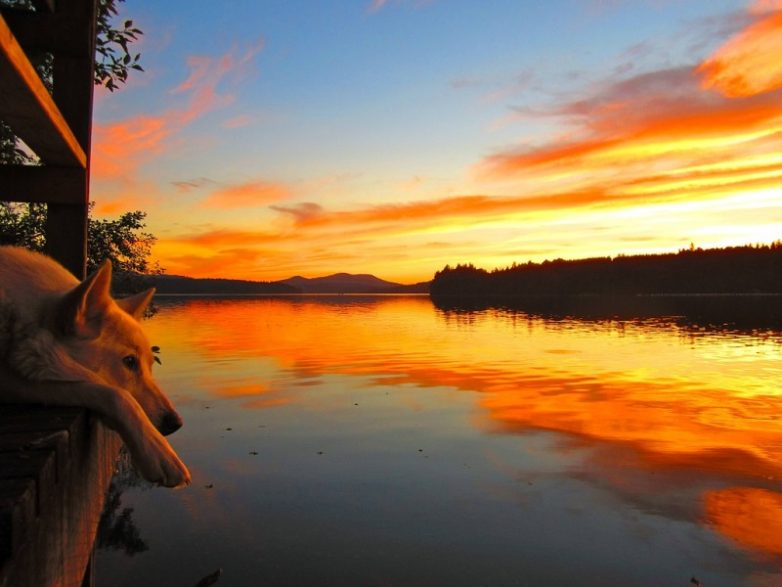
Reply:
x=642 y=399
x=369 y=137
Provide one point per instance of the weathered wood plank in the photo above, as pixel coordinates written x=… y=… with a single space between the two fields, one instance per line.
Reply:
x=22 y=443
x=38 y=32
x=27 y=107
x=74 y=75
x=73 y=90
x=66 y=236
x=30 y=183
x=43 y=5
x=55 y=468
x=38 y=465
x=17 y=512
x=24 y=418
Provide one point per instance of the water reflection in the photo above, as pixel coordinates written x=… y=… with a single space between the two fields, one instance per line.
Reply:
x=117 y=529
x=673 y=418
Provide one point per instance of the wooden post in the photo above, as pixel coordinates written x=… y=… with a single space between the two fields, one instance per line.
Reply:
x=74 y=74
x=55 y=468
x=66 y=236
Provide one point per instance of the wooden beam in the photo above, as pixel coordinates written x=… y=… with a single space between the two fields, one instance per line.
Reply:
x=45 y=32
x=73 y=90
x=29 y=183
x=43 y=5
x=66 y=236
x=27 y=107
x=57 y=465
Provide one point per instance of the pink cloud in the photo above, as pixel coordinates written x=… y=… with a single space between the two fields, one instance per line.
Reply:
x=377 y=5
x=749 y=63
x=246 y=195
x=637 y=120
x=119 y=148
x=241 y=121
x=761 y=6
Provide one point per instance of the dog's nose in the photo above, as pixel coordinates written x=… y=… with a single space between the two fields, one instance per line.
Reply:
x=170 y=423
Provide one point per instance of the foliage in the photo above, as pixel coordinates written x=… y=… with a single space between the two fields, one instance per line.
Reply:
x=113 y=62
x=122 y=240
x=23 y=224
x=113 y=58
x=10 y=151
x=730 y=270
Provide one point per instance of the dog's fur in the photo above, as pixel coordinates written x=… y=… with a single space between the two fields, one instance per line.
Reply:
x=67 y=343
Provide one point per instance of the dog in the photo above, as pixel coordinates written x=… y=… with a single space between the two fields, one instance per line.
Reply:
x=70 y=343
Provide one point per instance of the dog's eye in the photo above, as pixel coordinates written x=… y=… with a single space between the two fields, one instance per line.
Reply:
x=131 y=362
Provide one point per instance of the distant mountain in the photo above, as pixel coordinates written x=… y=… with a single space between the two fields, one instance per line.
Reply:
x=337 y=283
x=177 y=284
x=350 y=283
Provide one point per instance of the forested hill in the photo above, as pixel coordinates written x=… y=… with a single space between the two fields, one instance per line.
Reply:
x=177 y=284
x=732 y=270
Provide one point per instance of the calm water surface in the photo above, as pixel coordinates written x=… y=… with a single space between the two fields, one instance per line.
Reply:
x=381 y=441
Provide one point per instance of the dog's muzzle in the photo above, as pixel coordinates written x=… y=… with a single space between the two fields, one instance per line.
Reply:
x=170 y=423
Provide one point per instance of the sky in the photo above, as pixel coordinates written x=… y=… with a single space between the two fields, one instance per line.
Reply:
x=267 y=139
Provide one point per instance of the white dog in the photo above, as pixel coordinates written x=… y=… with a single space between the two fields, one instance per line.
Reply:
x=67 y=343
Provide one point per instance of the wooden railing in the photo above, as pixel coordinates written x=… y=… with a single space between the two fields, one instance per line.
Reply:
x=57 y=127
x=55 y=464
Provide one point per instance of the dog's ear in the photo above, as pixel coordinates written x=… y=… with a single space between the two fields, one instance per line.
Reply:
x=137 y=303
x=81 y=308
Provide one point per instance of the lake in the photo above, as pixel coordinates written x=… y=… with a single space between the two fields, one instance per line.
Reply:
x=380 y=440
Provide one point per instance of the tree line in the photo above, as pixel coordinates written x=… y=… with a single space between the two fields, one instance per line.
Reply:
x=729 y=270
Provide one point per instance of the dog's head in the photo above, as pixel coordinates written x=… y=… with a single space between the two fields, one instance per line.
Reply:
x=105 y=336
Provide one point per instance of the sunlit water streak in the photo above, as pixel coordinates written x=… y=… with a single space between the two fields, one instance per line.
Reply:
x=378 y=440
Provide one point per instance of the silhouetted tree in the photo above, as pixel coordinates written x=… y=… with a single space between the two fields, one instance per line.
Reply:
x=747 y=269
x=122 y=240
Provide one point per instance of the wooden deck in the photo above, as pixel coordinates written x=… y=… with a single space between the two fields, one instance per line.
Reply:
x=55 y=469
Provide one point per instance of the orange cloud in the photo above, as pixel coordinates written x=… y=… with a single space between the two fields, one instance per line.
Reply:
x=207 y=73
x=227 y=238
x=246 y=195
x=245 y=262
x=660 y=130
x=114 y=207
x=119 y=148
x=427 y=211
x=761 y=6
x=648 y=117
x=750 y=63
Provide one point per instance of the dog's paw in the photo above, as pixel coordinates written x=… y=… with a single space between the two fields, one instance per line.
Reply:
x=158 y=463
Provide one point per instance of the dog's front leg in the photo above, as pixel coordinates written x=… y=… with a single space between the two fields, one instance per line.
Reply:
x=152 y=454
